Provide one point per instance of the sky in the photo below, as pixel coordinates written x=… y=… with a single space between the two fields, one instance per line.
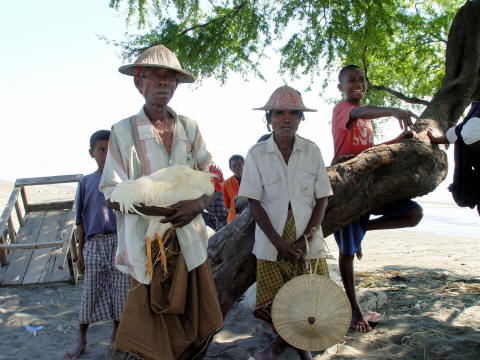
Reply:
x=60 y=83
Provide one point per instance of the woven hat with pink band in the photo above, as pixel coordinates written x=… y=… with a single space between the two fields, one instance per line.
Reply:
x=285 y=98
x=158 y=56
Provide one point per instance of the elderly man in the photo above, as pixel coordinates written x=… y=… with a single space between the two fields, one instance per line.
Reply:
x=175 y=315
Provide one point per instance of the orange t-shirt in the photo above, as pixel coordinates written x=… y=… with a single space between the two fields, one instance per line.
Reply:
x=230 y=190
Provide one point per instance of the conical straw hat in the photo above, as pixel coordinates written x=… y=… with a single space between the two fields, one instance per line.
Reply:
x=158 y=56
x=285 y=98
x=311 y=312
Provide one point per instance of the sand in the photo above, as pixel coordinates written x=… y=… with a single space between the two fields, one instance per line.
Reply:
x=426 y=285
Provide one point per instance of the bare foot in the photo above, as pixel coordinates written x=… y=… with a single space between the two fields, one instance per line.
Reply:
x=358 y=323
x=359 y=254
x=272 y=351
x=77 y=350
x=304 y=354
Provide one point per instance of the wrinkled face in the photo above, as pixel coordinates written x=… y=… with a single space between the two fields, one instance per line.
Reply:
x=157 y=85
x=236 y=165
x=285 y=122
x=99 y=152
x=353 y=85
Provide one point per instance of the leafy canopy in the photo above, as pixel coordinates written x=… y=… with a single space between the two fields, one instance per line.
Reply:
x=400 y=43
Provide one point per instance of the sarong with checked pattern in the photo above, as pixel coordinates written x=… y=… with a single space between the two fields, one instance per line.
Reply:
x=271 y=275
x=104 y=287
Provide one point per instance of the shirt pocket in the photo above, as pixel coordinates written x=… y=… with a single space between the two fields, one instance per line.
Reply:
x=272 y=186
x=307 y=185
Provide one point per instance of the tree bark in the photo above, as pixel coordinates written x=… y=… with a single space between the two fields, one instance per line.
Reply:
x=231 y=259
x=377 y=176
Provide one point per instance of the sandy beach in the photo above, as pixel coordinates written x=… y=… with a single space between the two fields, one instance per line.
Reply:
x=427 y=286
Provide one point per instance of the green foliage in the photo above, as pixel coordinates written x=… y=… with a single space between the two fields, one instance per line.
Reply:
x=401 y=43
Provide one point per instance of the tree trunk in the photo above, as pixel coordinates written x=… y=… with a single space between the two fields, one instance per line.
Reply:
x=378 y=175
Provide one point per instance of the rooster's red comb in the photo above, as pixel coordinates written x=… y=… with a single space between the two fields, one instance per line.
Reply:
x=215 y=170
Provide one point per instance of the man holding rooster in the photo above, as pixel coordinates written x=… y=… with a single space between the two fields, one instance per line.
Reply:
x=175 y=314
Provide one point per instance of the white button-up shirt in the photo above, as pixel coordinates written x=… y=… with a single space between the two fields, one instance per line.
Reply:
x=268 y=179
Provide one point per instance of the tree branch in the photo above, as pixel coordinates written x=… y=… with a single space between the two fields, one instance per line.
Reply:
x=364 y=61
x=437 y=38
x=462 y=68
x=233 y=11
x=411 y=100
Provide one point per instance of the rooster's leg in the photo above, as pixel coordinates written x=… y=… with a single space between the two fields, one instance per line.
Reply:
x=148 y=245
x=163 y=257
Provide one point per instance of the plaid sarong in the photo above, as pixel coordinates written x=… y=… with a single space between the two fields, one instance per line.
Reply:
x=271 y=275
x=104 y=288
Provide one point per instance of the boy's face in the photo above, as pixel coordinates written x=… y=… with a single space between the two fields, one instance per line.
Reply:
x=353 y=85
x=236 y=165
x=99 y=152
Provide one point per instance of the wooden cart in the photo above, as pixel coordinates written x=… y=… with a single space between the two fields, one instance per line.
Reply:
x=44 y=242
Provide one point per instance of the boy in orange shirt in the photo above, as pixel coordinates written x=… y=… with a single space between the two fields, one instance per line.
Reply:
x=232 y=184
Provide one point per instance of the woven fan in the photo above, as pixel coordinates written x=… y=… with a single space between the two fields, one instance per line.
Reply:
x=311 y=312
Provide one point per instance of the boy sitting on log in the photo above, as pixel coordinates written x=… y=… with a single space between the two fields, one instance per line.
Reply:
x=353 y=133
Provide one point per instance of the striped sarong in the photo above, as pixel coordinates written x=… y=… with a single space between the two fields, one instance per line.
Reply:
x=104 y=288
x=271 y=275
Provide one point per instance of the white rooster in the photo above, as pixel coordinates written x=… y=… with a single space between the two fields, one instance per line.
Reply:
x=163 y=188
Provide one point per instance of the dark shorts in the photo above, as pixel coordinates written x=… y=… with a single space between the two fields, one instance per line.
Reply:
x=349 y=239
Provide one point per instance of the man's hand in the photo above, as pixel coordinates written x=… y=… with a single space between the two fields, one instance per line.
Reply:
x=287 y=250
x=184 y=212
x=300 y=245
x=80 y=262
x=404 y=118
x=342 y=158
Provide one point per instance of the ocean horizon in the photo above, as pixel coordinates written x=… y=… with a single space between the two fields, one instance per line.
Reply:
x=447 y=219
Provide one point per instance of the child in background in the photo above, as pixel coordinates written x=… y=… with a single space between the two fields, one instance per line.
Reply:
x=232 y=184
x=353 y=133
x=105 y=288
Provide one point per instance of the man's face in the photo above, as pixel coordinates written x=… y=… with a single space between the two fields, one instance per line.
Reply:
x=353 y=85
x=157 y=85
x=285 y=122
x=236 y=165
x=99 y=152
